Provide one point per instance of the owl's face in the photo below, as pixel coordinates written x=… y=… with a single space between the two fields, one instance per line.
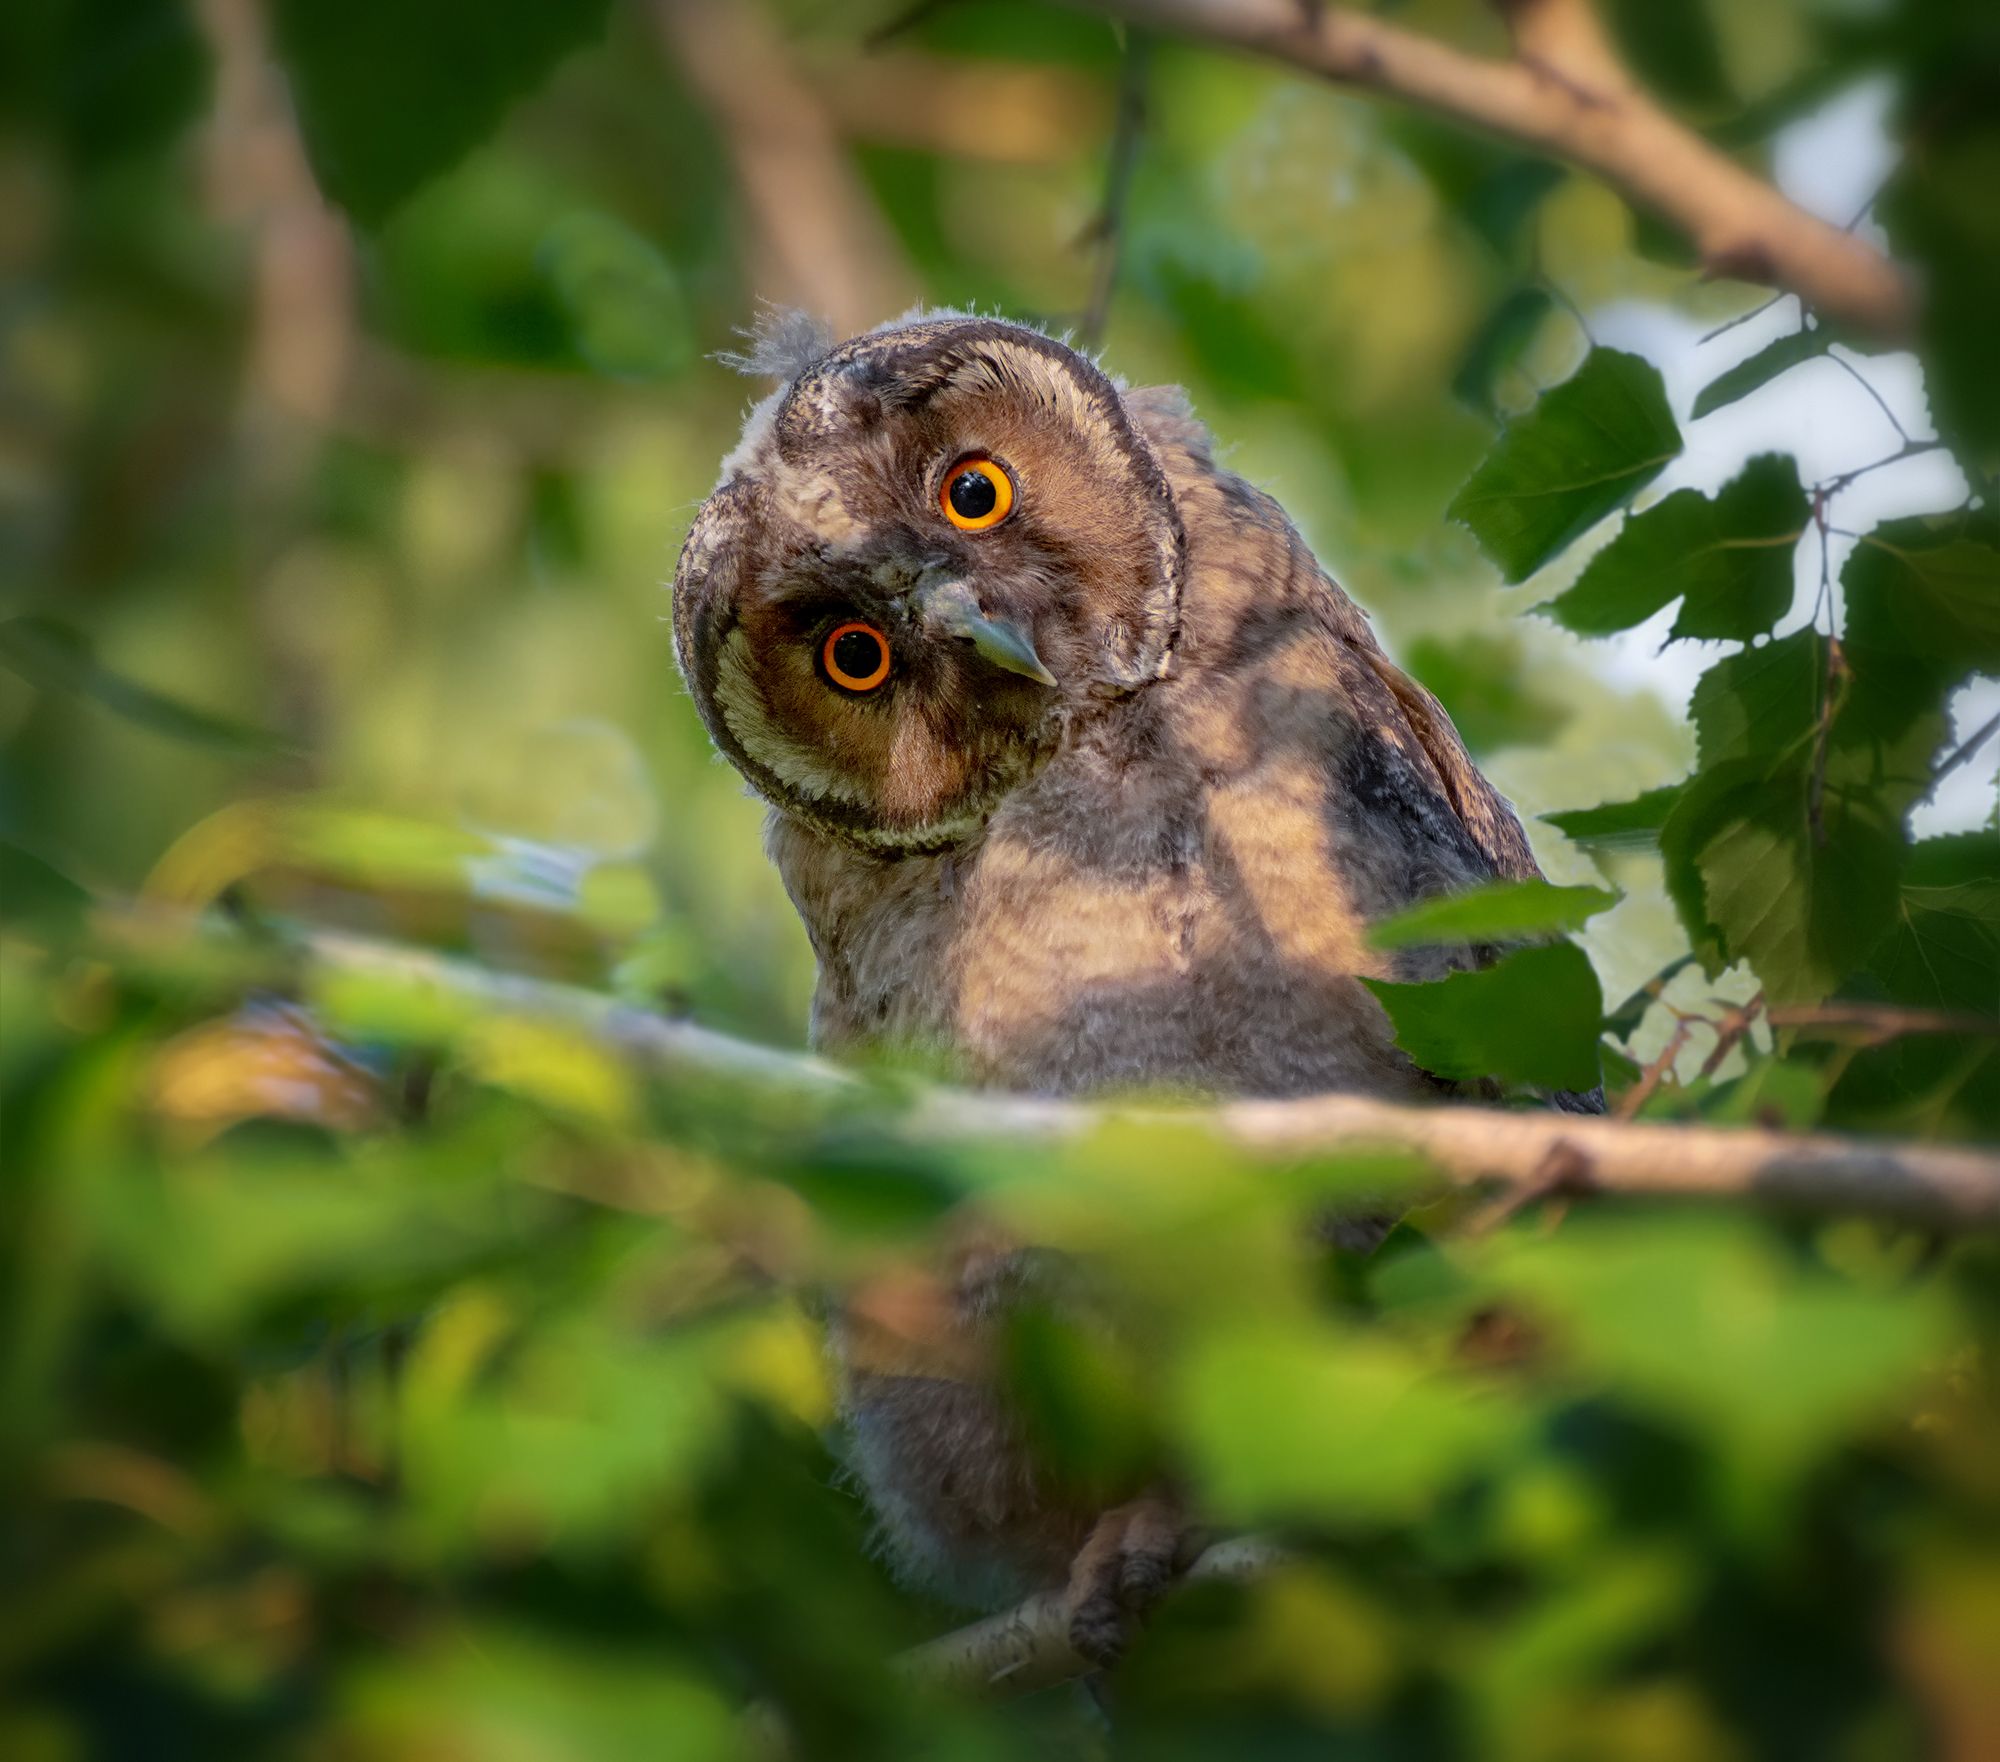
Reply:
x=934 y=546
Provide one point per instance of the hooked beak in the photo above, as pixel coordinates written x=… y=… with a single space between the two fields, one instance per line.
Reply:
x=950 y=609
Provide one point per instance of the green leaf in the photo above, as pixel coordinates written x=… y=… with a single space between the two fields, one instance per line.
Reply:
x=621 y=296
x=1673 y=49
x=1622 y=1022
x=1495 y=913
x=1785 y=848
x=1298 y=1423
x=34 y=892
x=1927 y=591
x=1941 y=953
x=1497 y=347
x=1803 y=910
x=1762 y=703
x=1620 y=825
x=1587 y=447
x=1941 y=218
x=1704 y=1323
x=1481 y=681
x=1531 y=1018
x=390 y=94
x=1759 y=370
x=52 y=657
x=1729 y=560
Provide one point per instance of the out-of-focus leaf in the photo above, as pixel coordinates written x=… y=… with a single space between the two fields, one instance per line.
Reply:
x=1625 y=1019
x=1759 y=370
x=34 y=892
x=622 y=297
x=389 y=95
x=1728 y=560
x=519 y=1696
x=1483 y=683
x=1672 y=48
x=52 y=657
x=1699 y=1318
x=129 y=74
x=1587 y=447
x=1941 y=217
x=1532 y=1017
x=1298 y=1424
x=1497 y=346
x=1942 y=953
x=1620 y=825
x=1494 y=913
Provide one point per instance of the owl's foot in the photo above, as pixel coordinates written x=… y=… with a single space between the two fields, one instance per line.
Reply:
x=1124 y=1567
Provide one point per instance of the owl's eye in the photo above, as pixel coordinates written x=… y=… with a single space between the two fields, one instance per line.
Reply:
x=977 y=494
x=855 y=656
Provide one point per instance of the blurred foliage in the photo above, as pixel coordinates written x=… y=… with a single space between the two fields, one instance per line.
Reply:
x=384 y=1373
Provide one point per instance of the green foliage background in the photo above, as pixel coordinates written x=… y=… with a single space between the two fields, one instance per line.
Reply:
x=386 y=1376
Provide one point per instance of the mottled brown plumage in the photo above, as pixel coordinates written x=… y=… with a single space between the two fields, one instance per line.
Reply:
x=1155 y=873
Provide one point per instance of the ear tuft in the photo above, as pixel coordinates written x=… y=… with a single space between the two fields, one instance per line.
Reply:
x=780 y=345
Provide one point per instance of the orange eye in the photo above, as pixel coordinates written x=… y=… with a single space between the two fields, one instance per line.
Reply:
x=976 y=494
x=855 y=656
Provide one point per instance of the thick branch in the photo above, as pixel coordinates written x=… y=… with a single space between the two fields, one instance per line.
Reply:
x=1465 y=1146
x=1565 y=94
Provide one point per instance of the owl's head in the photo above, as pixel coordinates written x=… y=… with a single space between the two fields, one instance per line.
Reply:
x=934 y=546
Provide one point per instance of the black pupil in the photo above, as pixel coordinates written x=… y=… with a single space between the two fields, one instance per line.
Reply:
x=973 y=494
x=857 y=653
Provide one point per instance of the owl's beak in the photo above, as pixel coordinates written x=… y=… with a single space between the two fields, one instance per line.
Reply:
x=950 y=609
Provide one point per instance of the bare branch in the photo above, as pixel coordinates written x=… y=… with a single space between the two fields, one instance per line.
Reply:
x=1027 y=1647
x=1108 y=229
x=1964 y=750
x=1655 y=1073
x=1565 y=94
x=1873 y=1023
x=1470 y=1147
x=817 y=239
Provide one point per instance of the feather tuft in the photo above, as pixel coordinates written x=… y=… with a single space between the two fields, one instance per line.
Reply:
x=780 y=345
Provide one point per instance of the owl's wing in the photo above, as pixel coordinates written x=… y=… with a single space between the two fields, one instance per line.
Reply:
x=1480 y=808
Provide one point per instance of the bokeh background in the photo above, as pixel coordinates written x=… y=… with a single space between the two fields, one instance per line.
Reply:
x=333 y=543
x=403 y=498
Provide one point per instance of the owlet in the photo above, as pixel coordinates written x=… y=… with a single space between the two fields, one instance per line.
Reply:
x=1082 y=774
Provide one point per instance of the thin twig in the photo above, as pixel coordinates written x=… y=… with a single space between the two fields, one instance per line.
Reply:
x=1729 y=324
x=1964 y=750
x=1107 y=230
x=1565 y=94
x=1655 y=1073
x=1877 y=1022
x=1861 y=379
x=1732 y=1028
x=1910 y=449
x=1832 y=693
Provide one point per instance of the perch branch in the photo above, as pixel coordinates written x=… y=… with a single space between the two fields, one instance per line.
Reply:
x=1027 y=1647
x=1564 y=93
x=1471 y=1147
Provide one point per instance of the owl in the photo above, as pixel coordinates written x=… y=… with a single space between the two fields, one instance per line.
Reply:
x=1084 y=776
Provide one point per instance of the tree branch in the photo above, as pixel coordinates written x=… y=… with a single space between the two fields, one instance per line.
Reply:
x=817 y=238
x=1564 y=93
x=1472 y=1147
x=1027 y=1647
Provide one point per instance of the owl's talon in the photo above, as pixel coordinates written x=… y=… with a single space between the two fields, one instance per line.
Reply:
x=1127 y=1563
